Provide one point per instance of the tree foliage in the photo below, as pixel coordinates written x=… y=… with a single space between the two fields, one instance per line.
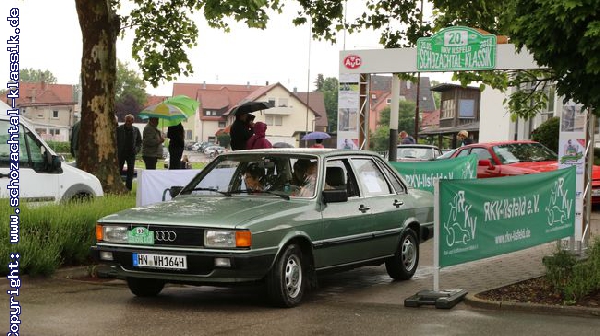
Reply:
x=547 y=133
x=329 y=87
x=36 y=75
x=130 y=92
x=565 y=37
x=379 y=140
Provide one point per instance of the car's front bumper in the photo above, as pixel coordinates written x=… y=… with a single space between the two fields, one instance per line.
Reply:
x=201 y=267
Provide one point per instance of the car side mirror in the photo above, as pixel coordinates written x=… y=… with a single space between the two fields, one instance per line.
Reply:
x=486 y=163
x=175 y=191
x=335 y=196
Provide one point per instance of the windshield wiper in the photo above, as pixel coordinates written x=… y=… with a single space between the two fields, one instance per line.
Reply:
x=212 y=189
x=250 y=191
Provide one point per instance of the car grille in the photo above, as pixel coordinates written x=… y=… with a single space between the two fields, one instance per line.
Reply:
x=175 y=235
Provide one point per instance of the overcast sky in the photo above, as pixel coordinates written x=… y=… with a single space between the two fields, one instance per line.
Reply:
x=50 y=39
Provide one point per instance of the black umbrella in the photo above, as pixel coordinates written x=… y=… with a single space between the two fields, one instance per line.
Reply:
x=250 y=107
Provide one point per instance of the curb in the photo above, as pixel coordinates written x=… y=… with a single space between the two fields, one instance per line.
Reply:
x=475 y=302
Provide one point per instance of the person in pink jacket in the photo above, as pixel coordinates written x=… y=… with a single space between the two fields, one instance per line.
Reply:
x=258 y=140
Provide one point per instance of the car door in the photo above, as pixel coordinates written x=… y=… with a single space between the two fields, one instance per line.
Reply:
x=483 y=153
x=389 y=208
x=345 y=224
x=36 y=185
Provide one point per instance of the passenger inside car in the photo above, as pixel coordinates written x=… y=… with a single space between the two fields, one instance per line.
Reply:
x=253 y=177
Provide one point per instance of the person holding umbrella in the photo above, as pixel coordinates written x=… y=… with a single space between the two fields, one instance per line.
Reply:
x=241 y=131
x=152 y=143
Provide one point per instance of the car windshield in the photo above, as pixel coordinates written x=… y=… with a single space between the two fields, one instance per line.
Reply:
x=256 y=174
x=524 y=152
x=419 y=153
x=447 y=154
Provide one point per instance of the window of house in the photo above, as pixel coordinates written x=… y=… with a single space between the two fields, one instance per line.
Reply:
x=221 y=124
x=448 y=109
x=210 y=113
x=466 y=108
x=188 y=134
x=283 y=102
x=271 y=101
x=54 y=114
x=273 y=120
x=388 y=101
x=55 y=131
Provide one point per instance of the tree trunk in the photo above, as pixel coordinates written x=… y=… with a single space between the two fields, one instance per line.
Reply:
x=97 y=136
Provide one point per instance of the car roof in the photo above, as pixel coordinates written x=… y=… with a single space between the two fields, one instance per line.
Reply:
x=416 y=146
x=322 y=152
x=498 y=143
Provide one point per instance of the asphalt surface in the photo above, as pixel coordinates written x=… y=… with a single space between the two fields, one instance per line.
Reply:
x=372 y=286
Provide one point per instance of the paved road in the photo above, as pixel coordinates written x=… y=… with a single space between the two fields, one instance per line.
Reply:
x=70 y=307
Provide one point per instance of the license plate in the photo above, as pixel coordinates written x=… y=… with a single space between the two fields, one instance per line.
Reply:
x=165 y=261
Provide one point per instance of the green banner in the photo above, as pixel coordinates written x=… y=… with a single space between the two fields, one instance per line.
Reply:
x=487 y=217
x=420 y=174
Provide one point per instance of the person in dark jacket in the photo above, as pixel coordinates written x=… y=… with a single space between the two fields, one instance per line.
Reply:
x=258 y=140
x=241 y=131
x=129 y=143
x=176 y=135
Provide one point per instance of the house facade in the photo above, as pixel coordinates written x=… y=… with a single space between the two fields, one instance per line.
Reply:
x=51 y=108
x=292 y=114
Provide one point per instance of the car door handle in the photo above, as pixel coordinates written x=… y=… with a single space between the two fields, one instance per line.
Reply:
x=397 y=203
x=363 y=208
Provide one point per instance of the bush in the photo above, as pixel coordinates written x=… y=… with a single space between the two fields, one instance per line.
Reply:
x=574 y=279
x=60 y=146
x=547 y=134
x=56 y=235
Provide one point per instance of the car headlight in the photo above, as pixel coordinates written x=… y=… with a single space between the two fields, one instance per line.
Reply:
x=112 y=233
x=227 y=238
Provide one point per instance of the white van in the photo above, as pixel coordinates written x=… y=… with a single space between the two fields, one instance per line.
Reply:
x=41 y=177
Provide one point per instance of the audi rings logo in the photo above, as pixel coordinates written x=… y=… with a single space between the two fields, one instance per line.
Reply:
x=165 y=236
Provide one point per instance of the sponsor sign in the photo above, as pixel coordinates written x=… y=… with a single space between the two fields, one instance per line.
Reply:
x=487 y=217
x=456 y=48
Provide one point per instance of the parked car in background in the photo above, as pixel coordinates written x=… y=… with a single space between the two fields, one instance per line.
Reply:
x=202 y=145
x=417 y=152
x=350 y=209
x=509 y=158
x=189 y=144
x=213 y=151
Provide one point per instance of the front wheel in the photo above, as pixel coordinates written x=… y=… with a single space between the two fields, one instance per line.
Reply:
x=286 y=280
x=145 y=287
x=403 y=264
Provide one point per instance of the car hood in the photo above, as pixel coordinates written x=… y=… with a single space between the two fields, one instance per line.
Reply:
x=546 y=166
x=533 y=167
x=216 y=212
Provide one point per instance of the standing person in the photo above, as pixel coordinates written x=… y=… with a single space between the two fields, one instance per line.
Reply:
x=176 y=135
x=152 y=148
x=75 y=140
x=129 y=143
x=406 y=139
x=463 y=138
x=258 y=140
x=241 y=131
x=318 y=144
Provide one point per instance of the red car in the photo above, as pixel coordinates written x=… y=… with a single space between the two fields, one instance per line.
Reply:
x=509 y=158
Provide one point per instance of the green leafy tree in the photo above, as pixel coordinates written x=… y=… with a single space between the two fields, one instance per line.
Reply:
x=36 y=75
x=164 y=30
x=130 y=91
x=329 y=87
x=379 y=140
x=547 y=133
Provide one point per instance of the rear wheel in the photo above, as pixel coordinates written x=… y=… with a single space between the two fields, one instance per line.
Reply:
x=286 y=281
x=145 y=287
x=403 y=264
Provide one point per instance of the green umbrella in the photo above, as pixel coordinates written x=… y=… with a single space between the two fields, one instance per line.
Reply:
x=186 y=104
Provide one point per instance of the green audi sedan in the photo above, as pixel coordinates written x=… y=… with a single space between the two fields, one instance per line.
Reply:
x=277 y=216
